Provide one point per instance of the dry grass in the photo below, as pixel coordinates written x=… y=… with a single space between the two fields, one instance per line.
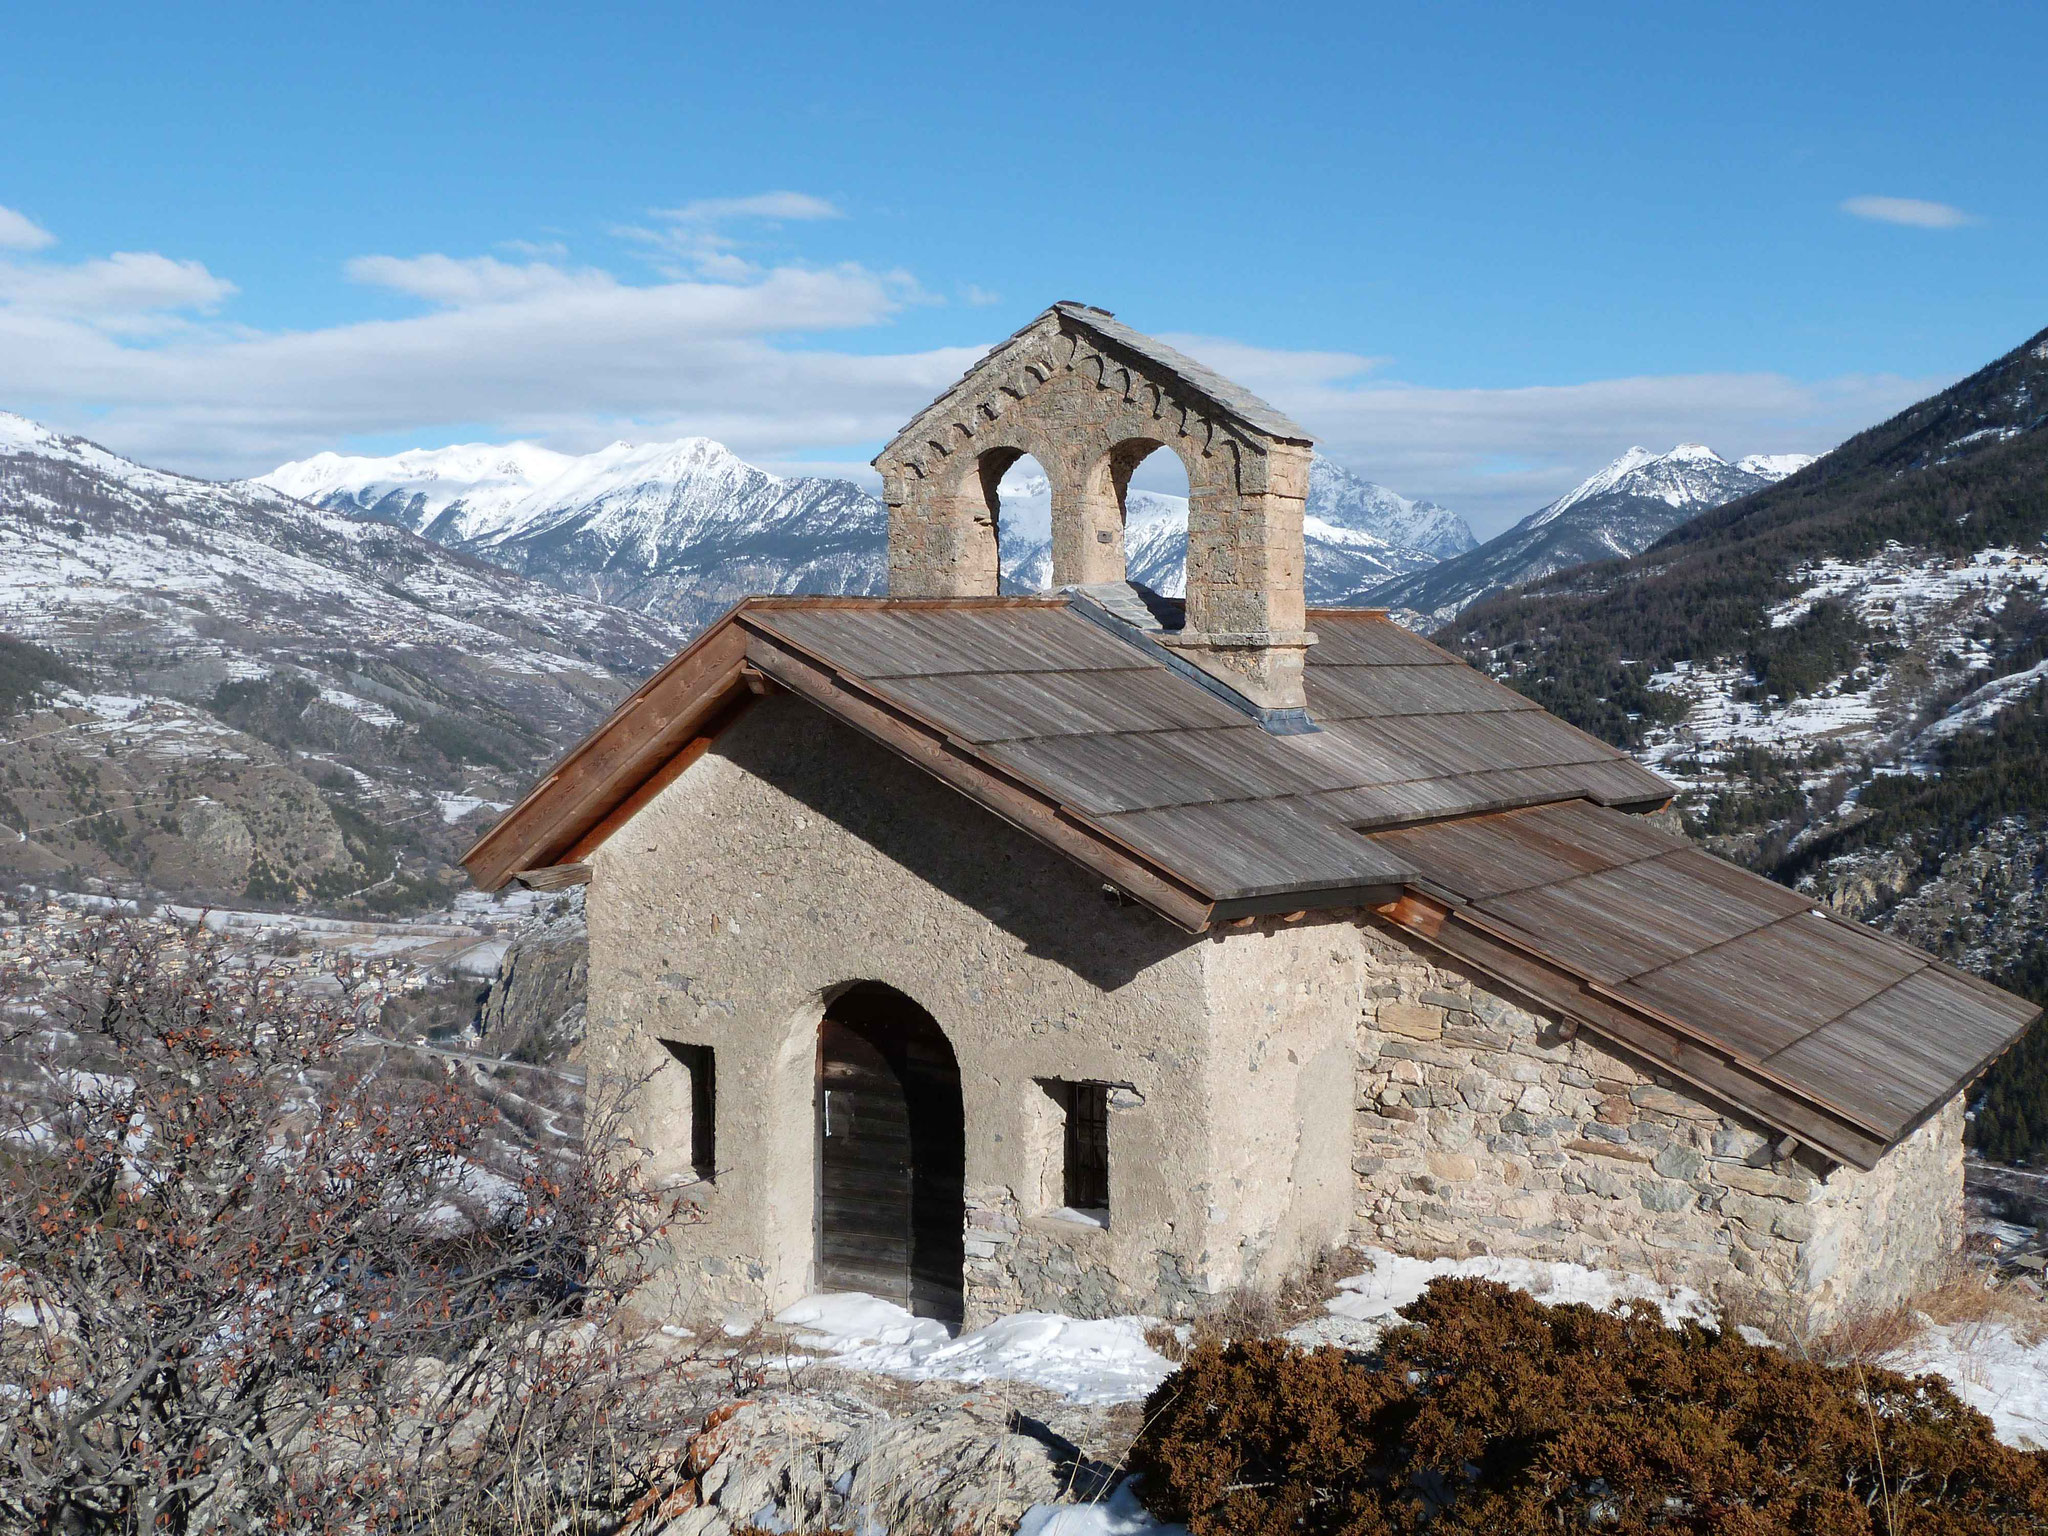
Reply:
x=1971 y=1298
x=1246 y=1313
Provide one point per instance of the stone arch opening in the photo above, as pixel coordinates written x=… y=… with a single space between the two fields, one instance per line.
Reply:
x=1085 y=393
x=1147 y=481
x=891 y=1138
x=1022 y=496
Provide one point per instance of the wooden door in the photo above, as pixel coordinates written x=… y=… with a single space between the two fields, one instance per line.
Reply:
x=865 y=1172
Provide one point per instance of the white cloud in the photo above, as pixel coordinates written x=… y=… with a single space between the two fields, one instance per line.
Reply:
x=579 y=357
x=1496 y=455
x=761 y=205
x=576 y=358
x=693 y=240
x=469 y=280
x=19 y=232
x=1913 y=211
x=130 y=291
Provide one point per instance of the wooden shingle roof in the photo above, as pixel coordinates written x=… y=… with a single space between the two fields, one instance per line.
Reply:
x=1452 y=807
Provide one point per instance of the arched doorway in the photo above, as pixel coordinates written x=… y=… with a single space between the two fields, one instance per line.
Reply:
x=891 y=1154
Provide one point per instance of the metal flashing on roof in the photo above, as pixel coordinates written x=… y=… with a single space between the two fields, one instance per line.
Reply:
x=1108 y=609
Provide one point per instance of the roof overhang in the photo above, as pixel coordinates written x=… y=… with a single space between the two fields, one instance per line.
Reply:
x=665 y=726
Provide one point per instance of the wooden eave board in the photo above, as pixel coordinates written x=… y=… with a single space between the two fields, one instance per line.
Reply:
x=647 y=729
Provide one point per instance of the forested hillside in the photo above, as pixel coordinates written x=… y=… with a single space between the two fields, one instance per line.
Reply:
x=1844 y=673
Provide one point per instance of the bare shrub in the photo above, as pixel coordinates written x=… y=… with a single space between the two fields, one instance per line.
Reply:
x=1491 y=1413
x=254 y=1282
x=1865 y=1336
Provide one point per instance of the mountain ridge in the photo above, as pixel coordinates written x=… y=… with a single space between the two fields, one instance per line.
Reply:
x=1845 y=674
x=1615 y=512
x=683 y=529
x=244 y=697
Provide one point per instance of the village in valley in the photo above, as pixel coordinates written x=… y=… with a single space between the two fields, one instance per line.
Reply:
x=661 y=878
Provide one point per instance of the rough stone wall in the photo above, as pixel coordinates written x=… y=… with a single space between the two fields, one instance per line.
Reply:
x=1480 y=1129
x=1880 y=1236
x=797 y=857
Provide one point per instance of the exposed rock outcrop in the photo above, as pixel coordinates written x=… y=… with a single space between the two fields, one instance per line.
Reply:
x=534 y=1012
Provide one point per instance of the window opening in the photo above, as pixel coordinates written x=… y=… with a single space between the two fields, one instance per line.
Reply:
x=696 y=1060
x=1084 y=1174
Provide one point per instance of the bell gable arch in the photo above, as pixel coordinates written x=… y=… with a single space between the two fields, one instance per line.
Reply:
x=1089 y=398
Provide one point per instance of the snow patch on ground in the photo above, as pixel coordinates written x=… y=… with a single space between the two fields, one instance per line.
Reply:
x=1394 y=1281
x=1107 y=1360
x=1103 y=1360
x=1118 y=1515
x=1993 y=1370
x=455 y=807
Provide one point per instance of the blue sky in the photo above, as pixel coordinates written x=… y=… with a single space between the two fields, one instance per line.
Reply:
x=1478 y=249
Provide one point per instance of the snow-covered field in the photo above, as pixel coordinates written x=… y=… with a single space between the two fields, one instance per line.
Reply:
x=1090 y=1361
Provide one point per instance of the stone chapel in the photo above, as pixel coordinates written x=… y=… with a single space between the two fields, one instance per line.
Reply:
x=1101 y=952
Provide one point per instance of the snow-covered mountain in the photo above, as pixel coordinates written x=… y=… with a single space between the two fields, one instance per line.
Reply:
x=678 y=530
x=682 y=530
x=450 y=495
x=265 y=700
x=1620 y=511
x=1345 y=500
x=1844 y=676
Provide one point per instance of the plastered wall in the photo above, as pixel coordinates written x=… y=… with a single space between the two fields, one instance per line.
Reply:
x=797 y=857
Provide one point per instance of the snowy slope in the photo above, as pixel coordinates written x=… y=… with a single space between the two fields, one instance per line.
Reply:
x=451 y=495
x=1620 y=511
x=237 y=646
x=1349 y=501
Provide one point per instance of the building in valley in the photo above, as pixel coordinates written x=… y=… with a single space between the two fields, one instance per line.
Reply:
x=1094 y=951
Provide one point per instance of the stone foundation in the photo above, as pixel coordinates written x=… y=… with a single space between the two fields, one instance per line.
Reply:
x=1482 y=1129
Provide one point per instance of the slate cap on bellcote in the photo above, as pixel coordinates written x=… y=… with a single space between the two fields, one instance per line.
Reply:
x=1230 y=400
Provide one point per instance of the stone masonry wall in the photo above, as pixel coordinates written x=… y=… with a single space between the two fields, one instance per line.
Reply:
x=1481 y=1129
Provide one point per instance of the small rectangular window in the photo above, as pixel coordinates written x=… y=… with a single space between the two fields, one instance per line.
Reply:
x=1085 y=1163
x=696 y=1061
